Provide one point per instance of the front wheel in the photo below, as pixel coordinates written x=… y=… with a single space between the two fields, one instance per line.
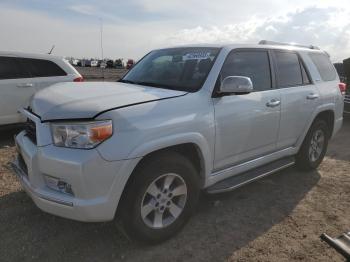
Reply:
x=314 y=146
x=160 y=198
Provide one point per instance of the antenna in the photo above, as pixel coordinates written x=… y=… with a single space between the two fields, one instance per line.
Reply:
x=101 y=45
x=52 y=48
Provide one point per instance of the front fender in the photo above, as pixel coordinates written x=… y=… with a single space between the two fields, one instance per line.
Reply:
x=177 y=139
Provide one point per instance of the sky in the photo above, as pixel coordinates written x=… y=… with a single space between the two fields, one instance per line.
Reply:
x=132 y=28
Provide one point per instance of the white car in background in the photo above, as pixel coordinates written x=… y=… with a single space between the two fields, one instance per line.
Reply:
x=94 y=63
x=22 y=75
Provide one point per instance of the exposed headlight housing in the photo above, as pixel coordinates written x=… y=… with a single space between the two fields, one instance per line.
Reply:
x=83 y=135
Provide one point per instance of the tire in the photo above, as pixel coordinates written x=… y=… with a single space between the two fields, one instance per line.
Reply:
x=305 y=161
x=151 y=176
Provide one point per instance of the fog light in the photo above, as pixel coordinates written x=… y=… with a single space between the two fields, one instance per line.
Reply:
x=58 y=185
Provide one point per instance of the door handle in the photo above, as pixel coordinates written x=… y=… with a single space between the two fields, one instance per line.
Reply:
x=312 y=96
x=25 y=85
x=273 y=103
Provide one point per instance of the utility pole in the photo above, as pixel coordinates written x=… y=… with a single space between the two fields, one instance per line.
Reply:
x=101 y=43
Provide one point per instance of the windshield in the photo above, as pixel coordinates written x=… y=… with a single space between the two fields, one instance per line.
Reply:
x=183 y=69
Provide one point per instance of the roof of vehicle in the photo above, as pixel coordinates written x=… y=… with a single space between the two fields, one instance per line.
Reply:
x=29 y=55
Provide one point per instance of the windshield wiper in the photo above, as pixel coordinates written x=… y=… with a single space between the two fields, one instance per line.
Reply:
x=139 y=83
x=149 y=84
x=127 y=81
x=144 y=83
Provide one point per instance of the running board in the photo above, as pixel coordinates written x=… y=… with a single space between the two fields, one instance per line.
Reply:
x=236 y=181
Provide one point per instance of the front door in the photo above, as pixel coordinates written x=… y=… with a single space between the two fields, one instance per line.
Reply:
x=247 y=124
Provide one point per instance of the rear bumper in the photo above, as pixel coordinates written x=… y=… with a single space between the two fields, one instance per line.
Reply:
x=97 y=184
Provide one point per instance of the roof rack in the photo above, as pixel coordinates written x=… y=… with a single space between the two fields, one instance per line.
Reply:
x=267 y=42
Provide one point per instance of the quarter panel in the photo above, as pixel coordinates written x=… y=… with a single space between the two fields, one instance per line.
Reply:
x=296 y=112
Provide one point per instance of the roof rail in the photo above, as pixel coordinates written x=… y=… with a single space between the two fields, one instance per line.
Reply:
x=267 y=42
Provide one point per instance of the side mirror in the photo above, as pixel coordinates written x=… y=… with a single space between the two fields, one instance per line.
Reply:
x=236 y=84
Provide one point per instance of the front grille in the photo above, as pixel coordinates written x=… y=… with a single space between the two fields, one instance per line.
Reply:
x=30 y=129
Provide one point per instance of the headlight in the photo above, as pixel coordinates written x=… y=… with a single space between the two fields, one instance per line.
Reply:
x=83 y=135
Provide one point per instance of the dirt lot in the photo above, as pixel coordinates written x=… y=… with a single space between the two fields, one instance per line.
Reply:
x=278 y=218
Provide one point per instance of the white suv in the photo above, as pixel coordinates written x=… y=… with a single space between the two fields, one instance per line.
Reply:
x=21 y=75
x=180 y=121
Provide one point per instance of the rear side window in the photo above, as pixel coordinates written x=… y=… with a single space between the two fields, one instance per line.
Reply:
x=42 y=68
x=324 y=66
x=306 y=79
x=289 y=69
x=253 y=64
x=10 y=68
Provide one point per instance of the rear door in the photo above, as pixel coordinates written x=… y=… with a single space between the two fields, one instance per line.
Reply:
x=246 y=124
x=16 y=88
x=44 y=72
x=299 y=96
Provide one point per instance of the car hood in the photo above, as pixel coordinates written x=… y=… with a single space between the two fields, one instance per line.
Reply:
x=86 y=100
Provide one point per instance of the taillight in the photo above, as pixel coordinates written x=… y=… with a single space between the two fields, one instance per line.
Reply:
x=342 y=88
x=79 y=79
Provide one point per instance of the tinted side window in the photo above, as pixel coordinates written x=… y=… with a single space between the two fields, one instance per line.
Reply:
x=11 y=69
x=288 y=69
x=42 y=68
x=324 y=66
x=253 y=64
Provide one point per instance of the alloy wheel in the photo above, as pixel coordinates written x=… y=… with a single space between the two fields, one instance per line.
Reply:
x=164 y=201
x=316 y=145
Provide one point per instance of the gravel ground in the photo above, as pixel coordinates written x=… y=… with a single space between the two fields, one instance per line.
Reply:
x=278 y=218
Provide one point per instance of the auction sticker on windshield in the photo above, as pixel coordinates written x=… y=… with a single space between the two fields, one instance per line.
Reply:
x=196 y=56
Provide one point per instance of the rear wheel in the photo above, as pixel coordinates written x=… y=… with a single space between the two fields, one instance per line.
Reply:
x=314 y=146
x=160 y=198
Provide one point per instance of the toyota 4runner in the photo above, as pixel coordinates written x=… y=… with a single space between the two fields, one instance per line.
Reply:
x=182 y=120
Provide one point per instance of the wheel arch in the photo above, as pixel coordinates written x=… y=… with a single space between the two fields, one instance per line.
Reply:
x=328 y=116
x=189 y=150
x=192 y=142
x=327 y=113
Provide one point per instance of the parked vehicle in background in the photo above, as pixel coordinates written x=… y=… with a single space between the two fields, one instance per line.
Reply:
x=22 y=75
x=340 y=70
x=94 y=63
x=130 y=63
x=102 y=64
x=109 y=64
x=74 y=62
x=119 y=63
x=181 y=120
x=347 y=104
x=86 y=62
